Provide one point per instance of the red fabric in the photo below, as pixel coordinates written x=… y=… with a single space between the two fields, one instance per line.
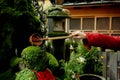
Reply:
x=45 y=75
x=102 y=40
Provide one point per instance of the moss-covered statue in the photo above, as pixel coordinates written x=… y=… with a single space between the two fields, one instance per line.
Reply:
x=38 y=64
x=18 y=20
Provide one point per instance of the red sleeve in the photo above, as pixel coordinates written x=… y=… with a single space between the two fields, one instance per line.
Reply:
x=102 y=40
x=48 y=75
x=45 y=75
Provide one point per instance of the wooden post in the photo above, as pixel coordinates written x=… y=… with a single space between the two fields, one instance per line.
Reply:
x=104 y=64
x=113 y=66
x=118 y=63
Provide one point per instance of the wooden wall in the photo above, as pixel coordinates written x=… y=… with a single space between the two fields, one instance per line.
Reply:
x=98 y=18
x=77 y=11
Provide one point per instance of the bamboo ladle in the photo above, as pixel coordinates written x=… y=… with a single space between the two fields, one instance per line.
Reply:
x=36 y=39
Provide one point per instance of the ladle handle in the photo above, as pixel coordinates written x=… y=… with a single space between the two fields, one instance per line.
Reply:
x=55 y=38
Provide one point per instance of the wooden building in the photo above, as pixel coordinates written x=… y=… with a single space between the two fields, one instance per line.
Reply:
x=101 y=16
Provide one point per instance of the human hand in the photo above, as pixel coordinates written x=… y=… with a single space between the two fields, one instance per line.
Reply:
x=78 y=34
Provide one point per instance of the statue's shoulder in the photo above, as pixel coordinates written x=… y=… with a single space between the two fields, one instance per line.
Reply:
x=26 y=74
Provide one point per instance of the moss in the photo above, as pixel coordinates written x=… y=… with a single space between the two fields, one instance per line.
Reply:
x=12 y=13
x=14 y=61
x=18 y=21
x=26 y=74
x=52 y=60
x=56 y=11
x=37 y=59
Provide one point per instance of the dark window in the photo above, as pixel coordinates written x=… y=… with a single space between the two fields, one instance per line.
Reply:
x=116 y=23
x=88 y=23
x=75 y=24
x=102 y=23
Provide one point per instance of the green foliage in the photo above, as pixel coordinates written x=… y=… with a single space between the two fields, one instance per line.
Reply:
x=7 y=19
x=10 y=14
x=7 y=26
x=26 y=74
x=93 y=61
x=82 y=61
x=74 y=66
x=53 y=63
x=18 y=20
x=24 y=5
x=7 y=75
x=14 y=61
x=28 y=20
x=52 y=60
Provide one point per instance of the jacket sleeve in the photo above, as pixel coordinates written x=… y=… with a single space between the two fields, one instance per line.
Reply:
x=102 y=40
